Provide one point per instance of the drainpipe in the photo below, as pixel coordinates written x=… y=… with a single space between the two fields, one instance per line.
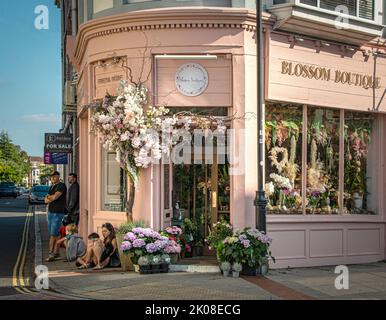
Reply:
x=74 y=17
x=384 y=20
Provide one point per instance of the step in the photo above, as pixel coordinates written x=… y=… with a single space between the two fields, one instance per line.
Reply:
x=194 y=268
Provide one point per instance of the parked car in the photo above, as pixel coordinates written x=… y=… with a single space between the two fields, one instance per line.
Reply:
x=8 y=189
x=38 y=194
x=18 y=191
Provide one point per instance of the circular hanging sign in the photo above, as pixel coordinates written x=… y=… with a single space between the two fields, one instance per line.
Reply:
x=191 y=79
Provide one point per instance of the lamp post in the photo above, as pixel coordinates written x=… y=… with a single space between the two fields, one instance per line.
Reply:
x=260 y=201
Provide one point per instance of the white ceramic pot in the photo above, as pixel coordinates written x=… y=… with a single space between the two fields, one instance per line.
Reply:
x=235 y=274
x=358 y=200
x=225 y=273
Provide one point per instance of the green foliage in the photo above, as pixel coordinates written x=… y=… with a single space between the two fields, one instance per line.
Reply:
x=219 y=232
x=192 y=233
x=128 y=226
x=14 y=163
x=246 y=247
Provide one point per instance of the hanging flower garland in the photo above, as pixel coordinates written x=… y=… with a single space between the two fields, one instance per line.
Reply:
x=280 y=165
x=140 y=134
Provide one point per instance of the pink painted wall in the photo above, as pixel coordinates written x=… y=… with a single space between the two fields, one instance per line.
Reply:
x=201 y=30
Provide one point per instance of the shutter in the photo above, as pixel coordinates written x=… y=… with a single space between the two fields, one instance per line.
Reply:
x=366 y=9
x=332 y=4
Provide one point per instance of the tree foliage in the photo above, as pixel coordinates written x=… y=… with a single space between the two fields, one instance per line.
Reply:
x=14 y=162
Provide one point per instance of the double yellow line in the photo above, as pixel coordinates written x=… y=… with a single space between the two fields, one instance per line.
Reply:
x=18 y=271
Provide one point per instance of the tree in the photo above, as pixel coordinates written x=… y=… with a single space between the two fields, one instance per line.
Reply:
x=14 y=162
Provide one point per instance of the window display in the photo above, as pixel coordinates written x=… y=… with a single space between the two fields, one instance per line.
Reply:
x=337 y=175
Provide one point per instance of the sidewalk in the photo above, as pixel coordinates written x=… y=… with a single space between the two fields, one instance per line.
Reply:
x=66 y=279
x=365 y=282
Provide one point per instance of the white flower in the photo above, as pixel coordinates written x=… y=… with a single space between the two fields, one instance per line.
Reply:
x=280 y=181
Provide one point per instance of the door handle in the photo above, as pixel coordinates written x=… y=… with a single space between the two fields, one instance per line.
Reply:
x=214 y=199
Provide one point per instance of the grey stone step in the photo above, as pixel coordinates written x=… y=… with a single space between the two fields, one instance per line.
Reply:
x=194 y=268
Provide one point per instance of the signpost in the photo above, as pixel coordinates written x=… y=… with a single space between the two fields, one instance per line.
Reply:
x=58 y=143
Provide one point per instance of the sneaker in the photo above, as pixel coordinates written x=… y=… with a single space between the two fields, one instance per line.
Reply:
x=50 y=258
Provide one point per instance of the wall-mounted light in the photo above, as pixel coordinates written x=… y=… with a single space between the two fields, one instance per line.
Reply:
x=185 y=57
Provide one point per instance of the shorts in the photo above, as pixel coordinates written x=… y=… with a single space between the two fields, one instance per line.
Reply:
x=54 y=223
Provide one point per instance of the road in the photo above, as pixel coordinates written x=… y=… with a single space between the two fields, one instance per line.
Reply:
x=13 y=214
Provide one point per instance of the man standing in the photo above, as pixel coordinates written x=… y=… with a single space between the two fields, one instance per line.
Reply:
x=73 y=198
x=56 y=200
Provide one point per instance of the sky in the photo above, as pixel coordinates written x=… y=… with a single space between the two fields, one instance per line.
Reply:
x=30 y=74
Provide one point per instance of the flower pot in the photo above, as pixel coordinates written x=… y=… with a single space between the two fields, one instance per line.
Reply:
x=198 y=251
x=235 y=274
x=174 y=258
x=155 y=268
x=225 y=273
x=263 y=269
x=146 y=269
x=248 y=271
x=358 y=200
x=126 y=263
x=164 y=268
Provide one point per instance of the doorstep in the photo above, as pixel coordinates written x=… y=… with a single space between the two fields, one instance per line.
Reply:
x=200 y=268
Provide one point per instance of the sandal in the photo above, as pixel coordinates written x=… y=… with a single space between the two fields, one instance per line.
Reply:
x=84 y=266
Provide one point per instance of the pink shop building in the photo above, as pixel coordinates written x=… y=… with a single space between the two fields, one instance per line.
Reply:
x=325 y=116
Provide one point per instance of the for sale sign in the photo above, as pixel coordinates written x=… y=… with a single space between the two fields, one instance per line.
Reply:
x=55 y=158
x=58 y=143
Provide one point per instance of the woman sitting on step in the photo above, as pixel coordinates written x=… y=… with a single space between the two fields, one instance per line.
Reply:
x=101 y=254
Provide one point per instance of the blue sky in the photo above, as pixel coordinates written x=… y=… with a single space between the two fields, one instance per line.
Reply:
x=30 y=74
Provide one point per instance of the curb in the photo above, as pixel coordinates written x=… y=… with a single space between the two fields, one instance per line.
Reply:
x=38 y=242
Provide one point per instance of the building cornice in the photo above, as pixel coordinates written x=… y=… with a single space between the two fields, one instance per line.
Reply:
x=169 y=18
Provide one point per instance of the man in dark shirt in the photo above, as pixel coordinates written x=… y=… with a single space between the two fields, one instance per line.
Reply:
x=56 y=200
x=73 y=198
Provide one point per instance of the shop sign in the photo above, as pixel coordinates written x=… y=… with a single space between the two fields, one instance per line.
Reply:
x=191 y=79
x=58 y=143
x=327 y=74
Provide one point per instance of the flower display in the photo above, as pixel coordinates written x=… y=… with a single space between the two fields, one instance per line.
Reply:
x=174 y=230
x=145 y=242
x=280 y=182
x=220 y=231
x=248 y=247
x=172 y=247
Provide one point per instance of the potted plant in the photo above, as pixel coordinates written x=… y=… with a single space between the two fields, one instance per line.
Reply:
x=225 y=268
x=124 y=228
x=236 y=269
x=173 y=249
x=193 y=237
x=155 y=263
x=144 y=265
x=248 y=247
x=144 y=242
x=165 y=262
x=218 y=233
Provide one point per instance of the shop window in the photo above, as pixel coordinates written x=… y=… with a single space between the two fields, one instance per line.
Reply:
x=112 y=191
x=323 y=161
x=340 y=157
x=360 y=164
x=284 y=159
